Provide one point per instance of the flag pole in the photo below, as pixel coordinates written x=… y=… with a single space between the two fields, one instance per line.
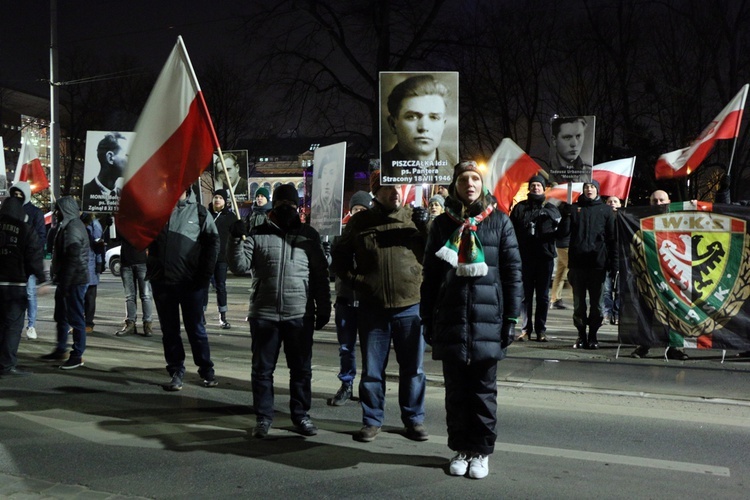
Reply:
x=737 y=127
x=630 y=181
x=204 y=108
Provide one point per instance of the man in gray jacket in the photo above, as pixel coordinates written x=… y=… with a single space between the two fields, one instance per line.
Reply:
x=180 y=263
x=289 y=298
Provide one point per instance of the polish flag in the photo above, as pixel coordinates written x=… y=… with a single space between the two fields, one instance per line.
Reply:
x=615 y=177
x=174 y=141
x=508 y=170
x=560 y=192
x=725 y=126
x=29 y=168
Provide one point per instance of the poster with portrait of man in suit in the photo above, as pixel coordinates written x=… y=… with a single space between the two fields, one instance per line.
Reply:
x=326 y=202
x=104 y=163
x=572 y=149
x=236 y=163
x=418 y=127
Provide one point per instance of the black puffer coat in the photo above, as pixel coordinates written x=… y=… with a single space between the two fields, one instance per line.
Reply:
x=70 y=257
x=466 y=314
x=593 y=244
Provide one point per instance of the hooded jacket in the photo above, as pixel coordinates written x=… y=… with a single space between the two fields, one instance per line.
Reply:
x=289 y=269
x=388 y=249
x=593 y=244
x=70 y=255
x=186 y=249
x=466 y=313
x=34 y=215
x=20 y=251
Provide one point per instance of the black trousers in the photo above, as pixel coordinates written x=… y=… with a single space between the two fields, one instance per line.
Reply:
x=471 y=405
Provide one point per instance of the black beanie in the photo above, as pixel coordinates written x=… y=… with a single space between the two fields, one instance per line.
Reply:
x=285 y=192
x=222 y=193
x=538 y=178
x=361 y=198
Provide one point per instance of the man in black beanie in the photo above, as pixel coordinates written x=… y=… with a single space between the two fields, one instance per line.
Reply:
x=592 y=253
x=536 y=223
x=290 y=299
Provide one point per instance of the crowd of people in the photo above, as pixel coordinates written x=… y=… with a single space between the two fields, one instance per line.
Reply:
x=458 y=275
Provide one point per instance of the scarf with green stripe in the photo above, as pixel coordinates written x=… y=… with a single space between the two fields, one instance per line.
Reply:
x=463 y=250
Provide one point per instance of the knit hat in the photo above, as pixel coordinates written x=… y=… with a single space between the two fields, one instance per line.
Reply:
x=284 y=192
x=594 y=183
x=375 y=181
x=540 y=179
x=222 y=193
x=438 y=199
x=264 y=192
x=465 y=166
x=361 y=198
x=24 y=187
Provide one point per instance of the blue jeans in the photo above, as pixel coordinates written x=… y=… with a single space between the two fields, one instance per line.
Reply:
x=134 y=279
x=69 y=314
x=591 y=282
x=11 y=324
x=267 y=337
x=346 y=333
x=610 y=303
x=377 y=326
x=170 y=299
x=31 y=300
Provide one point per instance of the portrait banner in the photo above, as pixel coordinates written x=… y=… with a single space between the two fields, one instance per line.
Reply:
x=418 y=127
x=326 y=202
x=572 y=149
x=3 y=172
x=684 y=280
x=237 y=170
x=103 y=167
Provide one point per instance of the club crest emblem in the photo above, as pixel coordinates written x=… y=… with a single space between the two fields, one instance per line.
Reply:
x=692 y=269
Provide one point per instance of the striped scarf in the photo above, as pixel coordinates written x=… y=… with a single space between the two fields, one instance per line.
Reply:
x=463 y=250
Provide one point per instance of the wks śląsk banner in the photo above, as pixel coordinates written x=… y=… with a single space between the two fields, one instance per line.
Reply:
x=174 y=141
x=685 y=276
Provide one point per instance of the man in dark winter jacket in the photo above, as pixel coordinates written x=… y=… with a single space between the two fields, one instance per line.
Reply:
x=290 y=298
x=379 y=255
x=261 y=207
x=35 y=219
x=20 y=257
x=592 y=254
x=471 y=295
x=223 y=217
x=180 y=262
x=536 y=225
x=70 y=261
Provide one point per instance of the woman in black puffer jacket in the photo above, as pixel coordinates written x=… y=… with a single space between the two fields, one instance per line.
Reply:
x=471 y=296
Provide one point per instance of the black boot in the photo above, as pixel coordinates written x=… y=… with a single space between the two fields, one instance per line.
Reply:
x=582 y=342
x=223 y=321
x=593 y=342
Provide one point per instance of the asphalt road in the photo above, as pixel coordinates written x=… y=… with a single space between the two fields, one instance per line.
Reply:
x=572 y=424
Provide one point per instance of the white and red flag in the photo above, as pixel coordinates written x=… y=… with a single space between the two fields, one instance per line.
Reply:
x=174 y=141
x=725 y=126
x=614 y=177
x=508 y=170
x=29 y=167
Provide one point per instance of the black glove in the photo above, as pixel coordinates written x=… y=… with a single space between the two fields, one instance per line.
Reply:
x=507 y=334
x=322 y=318
x=326 y=249
x=420 y=217
x=566 y=209
x=238 y=229
x=724 y=182
x=427 y=332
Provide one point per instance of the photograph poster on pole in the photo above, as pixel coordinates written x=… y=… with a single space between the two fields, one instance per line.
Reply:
x=571 y=149
x=236 y=163
x=106 y=157
x=418 y=127
x=3 y=172
x=326 y=201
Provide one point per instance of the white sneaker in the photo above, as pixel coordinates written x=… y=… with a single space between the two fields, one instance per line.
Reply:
x=31 y=333
x=479 y=466
x=459 y=464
